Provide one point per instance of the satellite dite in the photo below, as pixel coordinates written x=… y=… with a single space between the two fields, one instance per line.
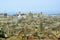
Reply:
x=19 y=16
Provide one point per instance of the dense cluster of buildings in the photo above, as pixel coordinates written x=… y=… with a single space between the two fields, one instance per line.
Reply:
x=27 y=23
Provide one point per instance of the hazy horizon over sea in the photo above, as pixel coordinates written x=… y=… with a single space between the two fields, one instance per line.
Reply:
x=49 y=13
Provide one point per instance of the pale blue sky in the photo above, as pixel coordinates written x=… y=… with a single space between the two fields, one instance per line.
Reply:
x=49 y=6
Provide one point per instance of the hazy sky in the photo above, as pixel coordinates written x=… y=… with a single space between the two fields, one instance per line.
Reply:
x=49 y=6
